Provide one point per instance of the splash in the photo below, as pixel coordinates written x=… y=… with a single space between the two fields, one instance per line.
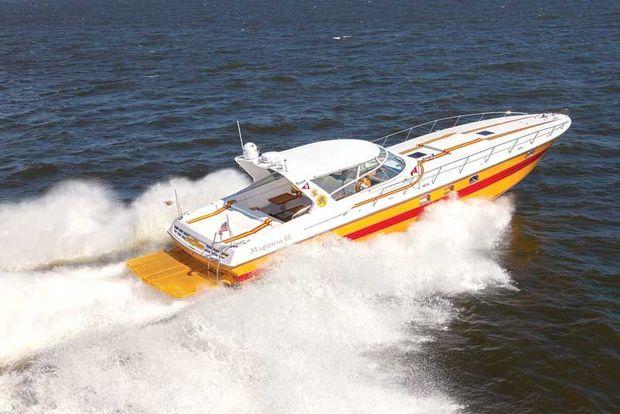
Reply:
x=78 y=220
x=50 y=307
x=326 y=329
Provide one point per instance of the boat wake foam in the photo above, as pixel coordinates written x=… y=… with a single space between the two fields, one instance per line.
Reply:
x=326 y=329
x=78 y=220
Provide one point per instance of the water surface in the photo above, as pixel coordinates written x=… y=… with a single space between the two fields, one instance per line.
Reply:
x=106 y=106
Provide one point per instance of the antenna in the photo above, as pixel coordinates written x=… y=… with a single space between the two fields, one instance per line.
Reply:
x=240 y=137
x=179 y=211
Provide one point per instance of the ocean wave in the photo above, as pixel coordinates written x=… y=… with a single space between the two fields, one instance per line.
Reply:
x=37 y=169
x=515 y=66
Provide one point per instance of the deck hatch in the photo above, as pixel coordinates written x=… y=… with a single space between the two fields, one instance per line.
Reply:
x=485 y=133
x=417 y=154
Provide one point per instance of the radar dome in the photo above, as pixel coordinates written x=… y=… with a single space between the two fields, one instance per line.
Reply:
x=250 y=151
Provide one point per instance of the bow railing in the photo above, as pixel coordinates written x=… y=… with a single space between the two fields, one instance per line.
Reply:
x=486 y=154
x=438 y=125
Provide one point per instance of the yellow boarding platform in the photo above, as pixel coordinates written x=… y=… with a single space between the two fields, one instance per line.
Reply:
x=174 y=273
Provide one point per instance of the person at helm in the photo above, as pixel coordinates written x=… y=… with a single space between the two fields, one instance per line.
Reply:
x=362 y=184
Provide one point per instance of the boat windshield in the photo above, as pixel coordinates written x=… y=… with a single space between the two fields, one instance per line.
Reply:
x=334 y=181
x=390 y=168
x=352 y=180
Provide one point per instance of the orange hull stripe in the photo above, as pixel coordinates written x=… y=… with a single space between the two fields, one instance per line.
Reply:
x=250 y=232
x=214 y=213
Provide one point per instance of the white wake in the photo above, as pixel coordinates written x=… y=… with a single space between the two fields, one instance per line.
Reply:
x=81 y=220
x=320 y=332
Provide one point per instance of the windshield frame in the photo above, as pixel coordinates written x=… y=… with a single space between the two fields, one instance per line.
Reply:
x=380 y=162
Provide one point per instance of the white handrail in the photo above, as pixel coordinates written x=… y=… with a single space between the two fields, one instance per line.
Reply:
x=472 y=157
x=461 y=163
x=441 y=169
x=458 y=118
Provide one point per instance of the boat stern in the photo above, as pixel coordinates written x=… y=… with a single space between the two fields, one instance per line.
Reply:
x=198 y=262
x=175 y=273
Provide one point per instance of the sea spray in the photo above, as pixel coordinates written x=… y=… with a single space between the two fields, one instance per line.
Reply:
x=41 y=309
x=319 y=332
x=84 y=220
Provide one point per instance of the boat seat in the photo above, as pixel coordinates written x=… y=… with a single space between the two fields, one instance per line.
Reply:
x=283 y=198
x=288 y=214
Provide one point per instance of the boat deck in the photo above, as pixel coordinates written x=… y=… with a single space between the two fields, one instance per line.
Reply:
x=173 y=272
x=440 y=147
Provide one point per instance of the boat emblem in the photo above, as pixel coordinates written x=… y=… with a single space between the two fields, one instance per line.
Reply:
x=321 y=201
x=306 y=186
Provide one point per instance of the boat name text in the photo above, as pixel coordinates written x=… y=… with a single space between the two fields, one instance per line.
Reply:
x=268 y=246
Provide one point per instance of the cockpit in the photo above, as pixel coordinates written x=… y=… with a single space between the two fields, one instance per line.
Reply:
x=275 y=196
x=288 y=184
x=352 y=180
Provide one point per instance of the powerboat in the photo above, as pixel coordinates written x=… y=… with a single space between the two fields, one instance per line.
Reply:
x=348 y=187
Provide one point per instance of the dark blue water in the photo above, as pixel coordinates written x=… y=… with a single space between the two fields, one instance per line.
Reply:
x=131 y=93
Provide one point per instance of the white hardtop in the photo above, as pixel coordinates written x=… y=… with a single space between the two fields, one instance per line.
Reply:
x=317 y=159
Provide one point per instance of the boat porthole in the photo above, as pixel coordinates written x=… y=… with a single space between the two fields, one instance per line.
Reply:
x=473 y=179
